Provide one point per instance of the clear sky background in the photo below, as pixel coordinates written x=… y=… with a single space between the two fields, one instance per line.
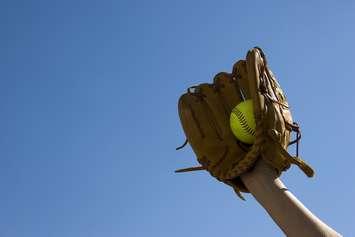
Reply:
x=89 y=121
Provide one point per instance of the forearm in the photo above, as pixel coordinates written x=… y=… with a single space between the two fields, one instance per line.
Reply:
x=285 y=209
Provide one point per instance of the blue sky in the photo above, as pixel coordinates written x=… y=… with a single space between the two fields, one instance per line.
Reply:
x=89 y=127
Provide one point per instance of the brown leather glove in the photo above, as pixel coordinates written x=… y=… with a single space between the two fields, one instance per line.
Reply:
x=205 y=112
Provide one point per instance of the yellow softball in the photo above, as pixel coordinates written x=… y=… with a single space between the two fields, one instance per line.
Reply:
x=242 y=122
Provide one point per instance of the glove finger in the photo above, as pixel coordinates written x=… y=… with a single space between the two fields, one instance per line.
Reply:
x=217 y=108
x=194 y=125
x=199 y=125
x=240 y=75
x=228 y=91
x=253 y=62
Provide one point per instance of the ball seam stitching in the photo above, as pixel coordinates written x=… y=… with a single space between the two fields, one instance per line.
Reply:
x=244 y=122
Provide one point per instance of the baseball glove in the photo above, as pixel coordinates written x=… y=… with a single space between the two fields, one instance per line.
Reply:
x=205 y=111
